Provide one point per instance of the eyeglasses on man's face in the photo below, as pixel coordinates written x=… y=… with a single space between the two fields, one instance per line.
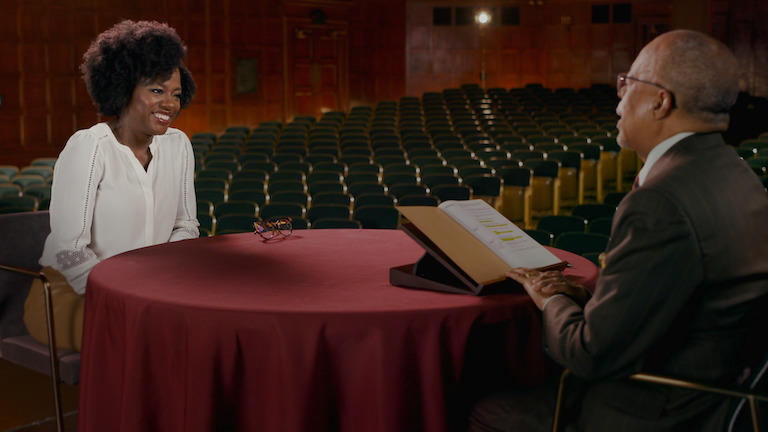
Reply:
x=621 y=82
x=274 y=228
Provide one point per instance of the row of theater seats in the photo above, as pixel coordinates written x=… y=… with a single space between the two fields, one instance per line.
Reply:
x=532 y=153
x=755 y=152
x=457 y=144
x=351 y=169
x=27 y=188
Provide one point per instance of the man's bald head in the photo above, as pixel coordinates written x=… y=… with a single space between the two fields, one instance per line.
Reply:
x=700 y=71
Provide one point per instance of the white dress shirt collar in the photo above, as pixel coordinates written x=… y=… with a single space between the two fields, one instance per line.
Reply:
x=657 y=152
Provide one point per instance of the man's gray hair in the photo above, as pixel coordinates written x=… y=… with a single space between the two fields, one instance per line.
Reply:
x=702 y=73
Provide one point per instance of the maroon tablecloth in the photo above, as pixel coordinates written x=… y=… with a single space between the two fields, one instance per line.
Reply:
x=305 y=334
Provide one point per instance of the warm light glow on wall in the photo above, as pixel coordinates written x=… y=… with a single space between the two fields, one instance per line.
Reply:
x=482 y=17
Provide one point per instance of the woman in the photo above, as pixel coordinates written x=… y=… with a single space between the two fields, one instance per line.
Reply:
x=122 y=184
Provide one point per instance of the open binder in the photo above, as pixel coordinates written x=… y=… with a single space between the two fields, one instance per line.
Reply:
x=456 y=260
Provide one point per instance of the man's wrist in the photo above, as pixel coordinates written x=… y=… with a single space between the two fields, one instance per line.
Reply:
x=548 y=299
x=578 y=301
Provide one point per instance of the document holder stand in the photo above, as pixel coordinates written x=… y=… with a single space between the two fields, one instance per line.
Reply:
x=435 y=271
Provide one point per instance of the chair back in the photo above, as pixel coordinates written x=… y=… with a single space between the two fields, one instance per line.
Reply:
x=23 y=237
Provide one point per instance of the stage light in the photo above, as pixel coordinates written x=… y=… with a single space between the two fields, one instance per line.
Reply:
x=482 y=17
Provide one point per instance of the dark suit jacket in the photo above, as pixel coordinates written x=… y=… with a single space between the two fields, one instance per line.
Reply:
x=686 y=269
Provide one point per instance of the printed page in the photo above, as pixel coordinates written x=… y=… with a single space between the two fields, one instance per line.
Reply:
x=505 y=239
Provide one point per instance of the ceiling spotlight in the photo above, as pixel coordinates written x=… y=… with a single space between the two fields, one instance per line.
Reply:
x=482 y=17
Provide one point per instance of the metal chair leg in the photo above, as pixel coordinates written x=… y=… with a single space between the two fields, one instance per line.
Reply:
x=755 y=414
x=559 y=401
x=52 y=352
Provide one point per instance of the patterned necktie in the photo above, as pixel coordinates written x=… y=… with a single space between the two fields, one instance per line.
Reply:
x=636 y=184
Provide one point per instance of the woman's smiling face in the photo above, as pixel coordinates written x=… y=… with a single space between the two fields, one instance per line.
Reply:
x=154 y=105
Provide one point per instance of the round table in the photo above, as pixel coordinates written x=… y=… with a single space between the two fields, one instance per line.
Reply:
x=232 y=333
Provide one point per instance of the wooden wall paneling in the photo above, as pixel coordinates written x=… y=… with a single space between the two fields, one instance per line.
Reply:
x=327 y=72
x=9 y=57
x=340 y=38
x=420 y=64
x=219 y=83
x=33 y=28
x=580 y=69
x=395 y=44
x=511 y=41
x=11 y=91
x=9 y=23
x=34 y=57
x=62 y=91
x=217 y=118
x=10 y=134
x=195 y=118
x=34 y=130
x=509 y=68
x=62 y=95
x=377 y=51
x=299 y=49
x=392 y=49
x=690 y=14
x=219 y=32
x=748 y=39
x=197 y=7
x=552 y=45
x=272 y=32
x=191 y=118
x=195 y=62
x=760 y=49
x=317 y=67
x=10 y=84
x=245 y=44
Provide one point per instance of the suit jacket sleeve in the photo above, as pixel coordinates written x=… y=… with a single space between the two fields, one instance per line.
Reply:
x=653 y=265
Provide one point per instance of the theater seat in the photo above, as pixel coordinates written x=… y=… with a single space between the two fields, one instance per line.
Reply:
x=377 y=217
x=335 y=223
x=581 y=242
x=558 y=224
x=515 y=198
x=543 y=237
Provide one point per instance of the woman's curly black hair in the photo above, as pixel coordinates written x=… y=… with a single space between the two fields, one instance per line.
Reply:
x=129 y=53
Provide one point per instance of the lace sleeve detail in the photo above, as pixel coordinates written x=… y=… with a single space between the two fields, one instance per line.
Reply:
x=66 y=259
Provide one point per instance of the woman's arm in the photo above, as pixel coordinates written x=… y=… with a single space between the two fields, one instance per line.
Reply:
x=77 y=174
x=186 y=224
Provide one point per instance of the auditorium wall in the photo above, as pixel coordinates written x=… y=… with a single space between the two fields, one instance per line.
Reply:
x=347 y=53
x=306 y=56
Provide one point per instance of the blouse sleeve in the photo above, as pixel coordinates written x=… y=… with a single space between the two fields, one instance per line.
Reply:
x=186 y=225
x=77 y=174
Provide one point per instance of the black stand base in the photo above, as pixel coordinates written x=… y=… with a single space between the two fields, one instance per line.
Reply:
x=429 y=274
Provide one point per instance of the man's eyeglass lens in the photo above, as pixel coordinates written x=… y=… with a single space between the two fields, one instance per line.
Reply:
x=621 y=82
x=622 y=78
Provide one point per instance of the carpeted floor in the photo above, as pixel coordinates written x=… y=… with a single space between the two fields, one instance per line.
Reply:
x=26 y=401
x=49 y=424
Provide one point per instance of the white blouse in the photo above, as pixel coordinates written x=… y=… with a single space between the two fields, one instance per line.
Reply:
x=104 y=203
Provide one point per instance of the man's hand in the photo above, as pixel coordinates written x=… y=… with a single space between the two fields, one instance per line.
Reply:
x=542 y=285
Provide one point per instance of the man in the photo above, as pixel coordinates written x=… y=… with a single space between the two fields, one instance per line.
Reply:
x=686 y=268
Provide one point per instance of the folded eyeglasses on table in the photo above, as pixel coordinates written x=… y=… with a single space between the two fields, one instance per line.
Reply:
x=275 y=228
